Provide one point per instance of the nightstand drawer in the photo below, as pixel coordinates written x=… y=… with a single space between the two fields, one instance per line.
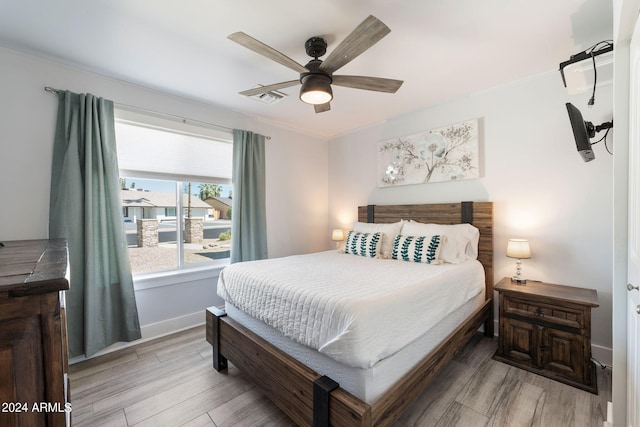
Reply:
x=566 y=316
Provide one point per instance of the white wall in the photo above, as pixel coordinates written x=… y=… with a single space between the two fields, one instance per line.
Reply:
x=530 y=169
x=296 y=176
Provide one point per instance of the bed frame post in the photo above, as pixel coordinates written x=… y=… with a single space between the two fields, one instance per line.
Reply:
x=213 y=336
x=371 y=213
x=466 y=211
x=322 y=388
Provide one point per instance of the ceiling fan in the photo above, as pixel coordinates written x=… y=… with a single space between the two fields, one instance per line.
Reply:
x=317 y=76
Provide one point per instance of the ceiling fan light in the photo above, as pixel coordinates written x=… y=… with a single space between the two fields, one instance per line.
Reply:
x=316 y=89
x=316 y=97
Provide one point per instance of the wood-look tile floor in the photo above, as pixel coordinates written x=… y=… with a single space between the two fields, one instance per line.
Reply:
x=170 y=382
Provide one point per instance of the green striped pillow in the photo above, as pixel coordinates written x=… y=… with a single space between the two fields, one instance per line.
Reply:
x=423 y=249
x=363 y=244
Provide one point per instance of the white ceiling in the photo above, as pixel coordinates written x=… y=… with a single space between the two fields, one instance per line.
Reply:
x=441 y=49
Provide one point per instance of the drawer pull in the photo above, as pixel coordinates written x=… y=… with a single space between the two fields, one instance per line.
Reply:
x=539 y=312
x=630 y=287
x=638 y=309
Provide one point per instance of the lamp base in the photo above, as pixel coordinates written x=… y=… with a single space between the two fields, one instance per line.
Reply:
x=519 y=280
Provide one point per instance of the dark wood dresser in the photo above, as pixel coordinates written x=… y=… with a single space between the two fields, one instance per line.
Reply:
x=33 y=346
x=546 y=329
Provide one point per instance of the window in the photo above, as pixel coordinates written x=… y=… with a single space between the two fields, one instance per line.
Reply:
x=169 y=167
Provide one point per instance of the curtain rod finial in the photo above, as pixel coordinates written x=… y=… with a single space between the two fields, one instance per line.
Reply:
x=51 y=90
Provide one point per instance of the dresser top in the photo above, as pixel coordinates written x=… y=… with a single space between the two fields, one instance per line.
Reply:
x=30 y=267
x=550 y=291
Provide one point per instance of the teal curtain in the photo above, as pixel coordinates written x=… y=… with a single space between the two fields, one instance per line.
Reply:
x=248 y=213
x=85 y=208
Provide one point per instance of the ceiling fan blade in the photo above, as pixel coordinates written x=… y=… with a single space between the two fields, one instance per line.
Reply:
x=269 y=88
x=368 y=83
x=264 y=50
x=321 y=108
x=368 y=33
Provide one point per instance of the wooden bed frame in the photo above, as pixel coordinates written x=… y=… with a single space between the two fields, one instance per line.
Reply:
x=309 y=398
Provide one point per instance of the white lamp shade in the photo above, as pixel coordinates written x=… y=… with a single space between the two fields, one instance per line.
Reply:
x=518 y=248
x=337 y=235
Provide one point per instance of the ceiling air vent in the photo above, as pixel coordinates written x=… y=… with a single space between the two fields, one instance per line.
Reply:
x=270 y=97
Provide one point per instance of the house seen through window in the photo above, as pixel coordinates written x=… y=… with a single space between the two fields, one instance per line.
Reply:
x=175 y=182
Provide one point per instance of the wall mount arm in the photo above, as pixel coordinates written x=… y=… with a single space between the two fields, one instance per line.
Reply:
x=592 y=130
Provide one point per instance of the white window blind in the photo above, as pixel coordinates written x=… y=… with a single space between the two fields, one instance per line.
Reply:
x=153 y=147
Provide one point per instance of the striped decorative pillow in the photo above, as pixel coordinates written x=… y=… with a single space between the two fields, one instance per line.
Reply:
x=363 y=244
x=418 y=248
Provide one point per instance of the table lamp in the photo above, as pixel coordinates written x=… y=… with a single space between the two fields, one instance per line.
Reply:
x=519 y=249
x=337 y=236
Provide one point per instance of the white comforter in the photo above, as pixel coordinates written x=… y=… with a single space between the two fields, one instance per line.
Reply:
x=354 y=309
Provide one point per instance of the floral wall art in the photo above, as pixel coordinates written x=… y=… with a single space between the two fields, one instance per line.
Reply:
x=445 y=154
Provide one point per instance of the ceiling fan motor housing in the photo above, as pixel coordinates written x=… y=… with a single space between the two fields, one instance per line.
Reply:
x=316 y=47
x=314 y=70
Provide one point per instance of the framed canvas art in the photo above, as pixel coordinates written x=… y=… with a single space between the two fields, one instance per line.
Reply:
x=449 y=153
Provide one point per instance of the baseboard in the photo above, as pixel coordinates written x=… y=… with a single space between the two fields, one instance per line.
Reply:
x=604 y=355
x=171 y=326
x=152 y=331
x=609 y=421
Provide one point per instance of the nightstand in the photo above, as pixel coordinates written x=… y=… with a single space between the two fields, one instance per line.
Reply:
x=546 y=329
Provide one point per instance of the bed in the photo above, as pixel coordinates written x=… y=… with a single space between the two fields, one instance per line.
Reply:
x=301 y=380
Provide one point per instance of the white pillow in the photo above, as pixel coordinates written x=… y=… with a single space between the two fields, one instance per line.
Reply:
x=388 y=231
x=460 y=245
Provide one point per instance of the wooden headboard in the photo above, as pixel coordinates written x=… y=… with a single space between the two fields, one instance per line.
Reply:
x=478 y=214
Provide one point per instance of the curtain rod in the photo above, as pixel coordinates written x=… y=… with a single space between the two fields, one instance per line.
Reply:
x=131 y=107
